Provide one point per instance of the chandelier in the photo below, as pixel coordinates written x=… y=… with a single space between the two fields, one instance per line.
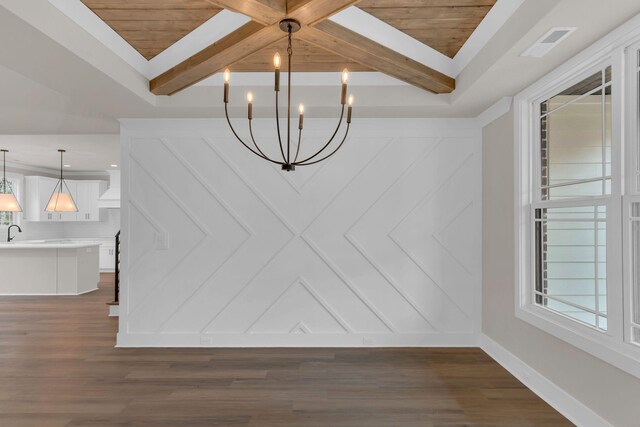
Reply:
x=289 y=158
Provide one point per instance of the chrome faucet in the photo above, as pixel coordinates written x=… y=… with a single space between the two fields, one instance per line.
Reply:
x=9 y=238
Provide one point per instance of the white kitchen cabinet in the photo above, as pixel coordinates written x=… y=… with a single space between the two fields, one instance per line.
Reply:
x=88 y=193
x=107 y=257
x=38 y=190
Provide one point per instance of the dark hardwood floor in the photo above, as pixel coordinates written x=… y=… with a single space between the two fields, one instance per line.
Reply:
x=59 y=368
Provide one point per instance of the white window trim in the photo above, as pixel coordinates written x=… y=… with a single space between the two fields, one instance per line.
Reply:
x=632 y=165
x=612 y=346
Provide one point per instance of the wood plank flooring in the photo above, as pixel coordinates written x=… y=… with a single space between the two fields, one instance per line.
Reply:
x=58 y=367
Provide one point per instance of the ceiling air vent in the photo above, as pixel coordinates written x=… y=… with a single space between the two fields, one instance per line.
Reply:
x=551 y=39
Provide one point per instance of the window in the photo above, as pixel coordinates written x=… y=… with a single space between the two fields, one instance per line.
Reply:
x=571 y=262
x=578 y=200
x=635 y=266
x=632 y=205
x=8 y=218
x=570 y=221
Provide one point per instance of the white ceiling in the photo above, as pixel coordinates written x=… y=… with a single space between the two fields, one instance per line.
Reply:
x=56 y=78
x=84 y=152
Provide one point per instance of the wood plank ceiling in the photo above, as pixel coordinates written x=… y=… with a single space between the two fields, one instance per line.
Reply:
x=444 y=25
x=306 y=57
x=151 y=26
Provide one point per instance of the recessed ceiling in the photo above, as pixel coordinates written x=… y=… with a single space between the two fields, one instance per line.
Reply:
x=438 y=26
x=151 y=26
x=71 y=75
x=444 y=25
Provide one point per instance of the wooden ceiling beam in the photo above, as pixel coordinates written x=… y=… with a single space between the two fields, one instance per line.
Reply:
x=241 y=43
x=248 y=39
x=265 y=12
x=316 y=29
x=342 y=41
x=310 y=12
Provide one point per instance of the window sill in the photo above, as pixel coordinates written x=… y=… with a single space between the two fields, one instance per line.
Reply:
x=623 y=356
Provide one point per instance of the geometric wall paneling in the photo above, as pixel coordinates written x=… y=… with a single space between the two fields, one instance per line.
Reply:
x=151 y=26
x=444 y=25
x=244 y=254
x=396 y=232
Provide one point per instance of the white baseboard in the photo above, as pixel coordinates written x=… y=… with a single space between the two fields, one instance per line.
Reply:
x=295 y=340
x=49 y=294
x=563 y=402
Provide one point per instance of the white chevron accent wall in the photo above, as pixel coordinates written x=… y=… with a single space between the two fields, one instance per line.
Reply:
x=378 y=246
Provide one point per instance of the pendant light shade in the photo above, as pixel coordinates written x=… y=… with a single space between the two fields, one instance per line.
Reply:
x=61 y=202
x=61 y=199
x=8 y=200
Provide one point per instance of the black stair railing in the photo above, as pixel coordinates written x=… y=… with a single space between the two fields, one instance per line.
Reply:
x=117 y=269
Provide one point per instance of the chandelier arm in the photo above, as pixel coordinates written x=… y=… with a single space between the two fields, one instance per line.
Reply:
x=226 y=112
x=284 y=159
x=298 y=149
x=254 y=140
x=328 y=155
x=330 y=140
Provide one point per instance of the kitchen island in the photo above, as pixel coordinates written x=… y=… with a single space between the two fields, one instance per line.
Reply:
x=41 y=267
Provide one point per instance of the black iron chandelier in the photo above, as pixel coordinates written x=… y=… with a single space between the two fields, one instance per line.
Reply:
x=289 y=159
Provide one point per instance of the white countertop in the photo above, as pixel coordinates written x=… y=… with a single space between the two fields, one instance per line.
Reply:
x=48 y=244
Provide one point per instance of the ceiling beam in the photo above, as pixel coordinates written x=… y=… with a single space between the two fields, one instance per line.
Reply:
x=342 y=41
x=246 y=40
x=268 y=12
x=241 y=43
x=265 y=12
x=310 y=12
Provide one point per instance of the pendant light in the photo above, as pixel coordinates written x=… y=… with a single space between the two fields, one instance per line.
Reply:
x=61 y=199
x=8 y=200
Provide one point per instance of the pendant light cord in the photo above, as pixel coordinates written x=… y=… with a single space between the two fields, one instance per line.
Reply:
x=4 y=170
x=61 y=166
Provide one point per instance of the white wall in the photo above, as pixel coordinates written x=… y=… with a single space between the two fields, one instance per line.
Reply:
x=35 y=231
x=606 y=390
x=107 y=228
x=380 y=245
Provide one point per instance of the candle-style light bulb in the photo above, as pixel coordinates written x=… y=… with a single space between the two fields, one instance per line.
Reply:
x=345 y=77
x=276 y=64
x=227 y=76
x=301 y=121
x=249 y=97
x=350 y=100
x=250 y=106
x=350 y=109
